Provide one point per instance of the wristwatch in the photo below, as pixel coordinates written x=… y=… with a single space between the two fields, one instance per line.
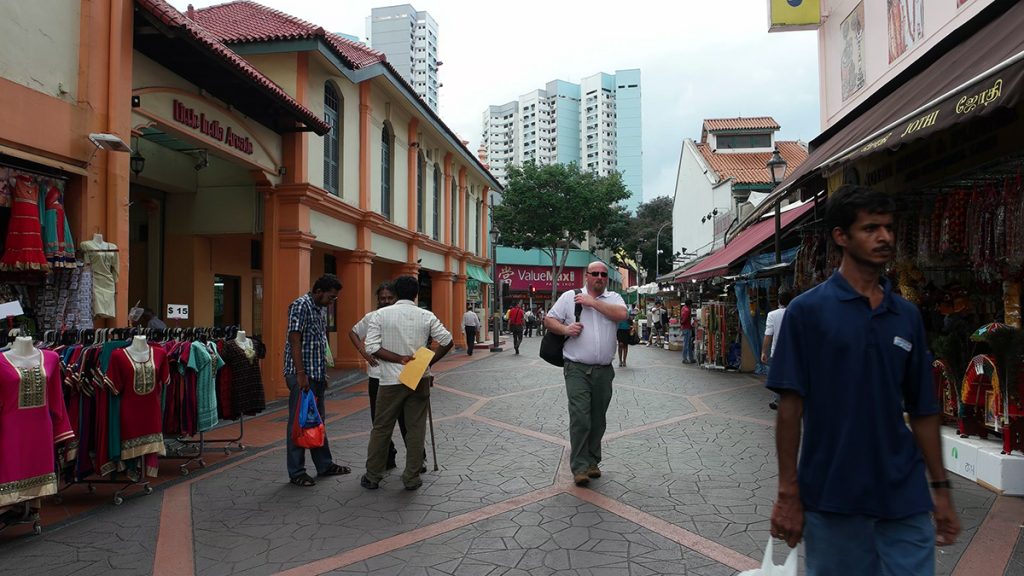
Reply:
x=941 y=484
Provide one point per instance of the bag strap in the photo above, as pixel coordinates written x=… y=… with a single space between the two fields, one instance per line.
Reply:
x=579 y=307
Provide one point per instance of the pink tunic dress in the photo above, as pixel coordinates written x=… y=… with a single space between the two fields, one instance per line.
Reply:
x=33 y=420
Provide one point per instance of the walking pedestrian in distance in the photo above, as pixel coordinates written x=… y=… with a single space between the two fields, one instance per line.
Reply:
x=305 y=368
x=394 y=335
x=686 y=325
x=516 y=321
x=589 y=351
x=470 y=325
x=772 y=326
x=850 y=360
x=385 y=298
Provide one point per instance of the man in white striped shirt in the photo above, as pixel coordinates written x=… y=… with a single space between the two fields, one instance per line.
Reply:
x=394 y=335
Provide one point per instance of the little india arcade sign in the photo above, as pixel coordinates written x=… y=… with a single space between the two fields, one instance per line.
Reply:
x=183 y=114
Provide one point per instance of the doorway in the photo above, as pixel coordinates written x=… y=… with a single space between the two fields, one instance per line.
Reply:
x=227 y=296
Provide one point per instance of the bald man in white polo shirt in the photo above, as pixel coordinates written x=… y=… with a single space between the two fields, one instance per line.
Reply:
x=589 y=351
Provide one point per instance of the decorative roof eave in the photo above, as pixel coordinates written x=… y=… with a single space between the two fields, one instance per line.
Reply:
x=176 y=24
x=358 y=75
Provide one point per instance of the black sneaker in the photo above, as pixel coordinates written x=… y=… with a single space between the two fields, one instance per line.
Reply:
x=365 y=483
x=773 y=405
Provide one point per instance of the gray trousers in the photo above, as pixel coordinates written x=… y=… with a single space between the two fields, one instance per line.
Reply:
x=589 y=389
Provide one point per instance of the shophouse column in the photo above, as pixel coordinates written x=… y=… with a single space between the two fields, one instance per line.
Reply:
x=356 y=273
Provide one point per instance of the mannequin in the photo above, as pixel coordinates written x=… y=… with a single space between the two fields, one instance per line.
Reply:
x=22 y=354
x=139 y=350
x=241 y=340
x=104 y=265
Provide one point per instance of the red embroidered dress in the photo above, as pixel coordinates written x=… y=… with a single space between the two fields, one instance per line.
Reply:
x=23 y=249
x=140 y=385
x=32 y=421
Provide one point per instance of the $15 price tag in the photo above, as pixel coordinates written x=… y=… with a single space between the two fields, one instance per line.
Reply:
x=177 y=311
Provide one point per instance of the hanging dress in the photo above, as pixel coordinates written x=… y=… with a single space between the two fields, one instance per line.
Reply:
x=140 y=386
x=23 y=249
x=58 y=245
x=205 y=362
x=247 y=395
x=33 y=419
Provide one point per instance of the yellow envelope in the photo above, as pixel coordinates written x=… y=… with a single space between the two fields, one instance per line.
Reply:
x=413 y=372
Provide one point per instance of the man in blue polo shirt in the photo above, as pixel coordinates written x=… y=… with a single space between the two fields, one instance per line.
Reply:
x=851 y=358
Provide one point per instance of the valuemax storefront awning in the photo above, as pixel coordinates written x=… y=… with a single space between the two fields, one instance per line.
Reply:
x=981 y=74
x=477 y=273
x=718 y=263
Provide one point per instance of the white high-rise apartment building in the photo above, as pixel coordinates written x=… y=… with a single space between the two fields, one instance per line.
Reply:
x=595 y=123
x=409 y=40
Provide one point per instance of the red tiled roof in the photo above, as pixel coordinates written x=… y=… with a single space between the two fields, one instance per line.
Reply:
x=751 y=168
x=239 y=22
x=755 y=123
x=170 y=17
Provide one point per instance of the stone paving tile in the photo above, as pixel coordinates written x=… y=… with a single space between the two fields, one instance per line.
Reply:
x=717 y=478
x=685 y=380
x=558 y=536
x=1015 y=567
x=502 y=375
x=245 y=524
x=546 y=410
x=114 y=540
x=749 y=402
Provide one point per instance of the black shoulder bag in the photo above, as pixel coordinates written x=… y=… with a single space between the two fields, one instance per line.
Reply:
x=551 y=345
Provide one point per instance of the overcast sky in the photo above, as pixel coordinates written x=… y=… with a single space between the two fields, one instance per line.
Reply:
x=698 y=59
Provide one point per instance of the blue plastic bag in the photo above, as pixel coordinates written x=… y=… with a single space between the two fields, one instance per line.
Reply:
x=309 y=416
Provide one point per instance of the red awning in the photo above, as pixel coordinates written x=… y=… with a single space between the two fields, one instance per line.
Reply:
x=718 y=263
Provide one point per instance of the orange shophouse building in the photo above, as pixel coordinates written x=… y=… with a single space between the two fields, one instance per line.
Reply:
x=259 y=173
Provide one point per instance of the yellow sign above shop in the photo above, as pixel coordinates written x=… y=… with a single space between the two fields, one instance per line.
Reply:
x=787 y=15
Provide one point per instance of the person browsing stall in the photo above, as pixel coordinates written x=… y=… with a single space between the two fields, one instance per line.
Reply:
x=589 y=351
x=851 y=358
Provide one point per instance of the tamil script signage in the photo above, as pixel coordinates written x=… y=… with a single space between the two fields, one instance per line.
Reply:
x=520 y=278
x=1001 y=90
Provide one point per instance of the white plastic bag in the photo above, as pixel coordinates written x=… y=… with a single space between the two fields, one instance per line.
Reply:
x=768 y=568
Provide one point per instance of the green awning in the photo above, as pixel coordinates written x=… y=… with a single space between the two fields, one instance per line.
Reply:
x=477 y=273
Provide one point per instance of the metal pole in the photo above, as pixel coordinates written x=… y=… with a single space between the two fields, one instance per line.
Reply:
x=657 y=251
x=494 y=287
x=778 y=228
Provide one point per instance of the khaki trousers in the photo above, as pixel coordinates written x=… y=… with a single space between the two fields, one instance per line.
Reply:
x=412 y=405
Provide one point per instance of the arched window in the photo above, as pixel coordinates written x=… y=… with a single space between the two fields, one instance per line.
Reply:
x=437 y=200
x=455 y=210
x=421 y=193
x=332 y=140
x=386 y=141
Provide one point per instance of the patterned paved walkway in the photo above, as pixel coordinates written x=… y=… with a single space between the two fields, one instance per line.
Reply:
x=689 y=479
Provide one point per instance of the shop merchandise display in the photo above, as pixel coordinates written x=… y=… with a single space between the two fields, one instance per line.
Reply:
x=23 y=245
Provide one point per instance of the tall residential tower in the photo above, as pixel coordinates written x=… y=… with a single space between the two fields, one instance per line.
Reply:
x=409 y=40
x=595 y=123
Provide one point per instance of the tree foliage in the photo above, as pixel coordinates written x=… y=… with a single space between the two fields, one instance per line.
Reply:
x=554 y=207
x=642 y=231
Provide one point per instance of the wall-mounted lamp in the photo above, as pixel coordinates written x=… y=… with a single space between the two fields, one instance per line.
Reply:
x=110 y=142
x=137 y=162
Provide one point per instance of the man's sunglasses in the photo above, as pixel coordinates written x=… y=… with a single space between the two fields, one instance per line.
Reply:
x=598 y=274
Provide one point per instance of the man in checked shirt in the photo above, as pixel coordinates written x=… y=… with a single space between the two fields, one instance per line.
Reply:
x=394 y=335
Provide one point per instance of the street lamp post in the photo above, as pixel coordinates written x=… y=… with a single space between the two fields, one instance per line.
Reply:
x=495 y=311
x=657 y=251
x=777 y=169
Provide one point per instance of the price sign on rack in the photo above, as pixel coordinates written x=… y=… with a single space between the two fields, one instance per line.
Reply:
x=177 y=311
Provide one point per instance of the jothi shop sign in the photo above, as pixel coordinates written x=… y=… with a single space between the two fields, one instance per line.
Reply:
x=520 y=278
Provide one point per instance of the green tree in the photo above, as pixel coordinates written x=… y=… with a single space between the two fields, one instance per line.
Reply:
x=642 y=232
x=554 y=207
